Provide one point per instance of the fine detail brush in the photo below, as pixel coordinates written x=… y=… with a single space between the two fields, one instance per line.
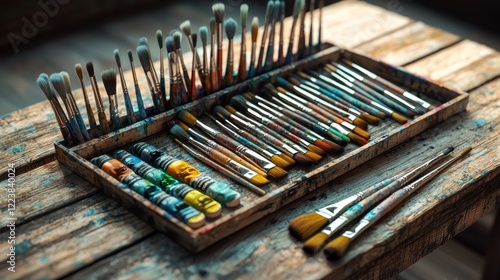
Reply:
x=186 y=29
x=72 y=102
x=337 y=247
x=63 y=122
x=268 y=61
x=94 y=131
x=255 y=33
x=242 y=66
x=223 y=139
x=103 y=122
x=305 y=226
x=126 y=97
x=177 y=36
x=177 y=89
x=58 y=82
x=159 y=39
x=296 y=11
x=144 y=57
x=192 y=91
x=207 y=87
x=269 y=14
x=230 y=27
x=281 y=55
x=218 y=11
x=141 y=111
x=214 y=79
x=253 y=177
x=109 y=81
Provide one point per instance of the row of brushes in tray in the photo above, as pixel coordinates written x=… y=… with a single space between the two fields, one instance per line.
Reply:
x=183 y=88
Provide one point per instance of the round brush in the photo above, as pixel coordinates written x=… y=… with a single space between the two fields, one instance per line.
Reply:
x=94 y=130
x=230 y=27
x=141 y=110
x=109 y=81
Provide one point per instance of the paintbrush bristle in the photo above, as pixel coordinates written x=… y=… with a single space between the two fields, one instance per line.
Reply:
x=212 y=26
x=230 y=27
x=315 y=243
x=239 y=102
x=218 y=10
x=361 y=133
x=269 y=10
x=230 y=109
x=194 y=38
x=67 y=81
x=255 y=28
x=159 y=38
x=186 y=27
x=314 y=156
x=258 y=180
x=117 y=58
x=58 y=82
x=130 y=55
x=178 y=132
x=203 y=35
x=336 y=148
x=183 y=125
x=143 y=54
x=90 y=68
x=304 y=226
x=356 y=139
x=186 y=117
x=303 y=159
x=451 y=148
x=244 y=15
x=249 y=96
x=296 y=8
x=315 y=149
x=288 y=159
x=109 y=80
x=79 y=71
x=369 y=118
x=269 y=89
x=399 y=118
x=143 y=41
x=360 y=123
x=323 y=145
x=280 y=162
x=336 y=248
x=277 y=172
x=44 y=84
x=169 y=44
x=222 y=112
x=177 y=35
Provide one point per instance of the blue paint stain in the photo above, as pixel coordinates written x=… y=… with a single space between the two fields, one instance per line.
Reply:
x=78 y=264
x=89 y=212
x=44 y=259
x=484 y=172
x=23 y=247
x=480 y=122
x=17 y=149
x=100 y=221
x=491 y=93
x=136 y=269
x=6 y=116
x=50 y=115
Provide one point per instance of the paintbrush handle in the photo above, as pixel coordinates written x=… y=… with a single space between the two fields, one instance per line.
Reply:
x=219 y=54
x=228 y=77
x=242 y=67
x=289 y=53
x=262 y=47
x=192 y=90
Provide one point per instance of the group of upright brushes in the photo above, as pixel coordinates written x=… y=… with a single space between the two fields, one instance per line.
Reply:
x=182 y=87
x=365 y=208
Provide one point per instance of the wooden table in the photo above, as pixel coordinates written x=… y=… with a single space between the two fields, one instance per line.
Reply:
x=65 y=227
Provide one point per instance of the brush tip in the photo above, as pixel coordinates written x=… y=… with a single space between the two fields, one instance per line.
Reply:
x=130 y=55
x=79 y=71
x=186 y=27
x=177 y=36
x=143 y=41
x=356 y=139
x=466 y=150
x=313 y=156
x=337 y=247
x=399 y=118
x=169 y=44
x=230 y=27
x=143 y=54
x=58 y=82
x=361 y=132
x=258 y=180
x=360 y=123
x=314 y=244
x=304 y=226
x=239 y=102
x=45 y=86
x=315 y=149
x=116 y=53
x=296 y=8
x=90 y=68
x=280 y=162
x=277 y=172
x=159 y=38
x=288 y=159
x=218 y=10
x=67 y=81
x=109 y=80
x=230 y=109
x=370 y=118
x=448 y=150
x=255 y=28
x=186 y=117
x=178 y=132
x=303 y=159
x=222 y=112
x=203 y=35
x=335 y=148
x=244 y=15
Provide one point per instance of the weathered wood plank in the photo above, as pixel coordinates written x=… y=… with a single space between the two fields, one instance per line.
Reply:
x=408 y=44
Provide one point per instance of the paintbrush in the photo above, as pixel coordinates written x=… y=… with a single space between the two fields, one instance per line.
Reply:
x=240 y=103
x=253 y=177
x=335 y=100
x=268 y=62
x=310 y=46
x=109 y=81
x=58 y=82
x=128 y=103
x=255 y=33
x=159 y=39
x=143 y=54
x=72 y=103
x=218 y=10
x=173 y=206
x=337 y=247
x=163 y=96
x=201 y=202
x=184 y=172
x=296 y=10
x=242 y=67
x=390 y=85
x=251 y=156
x=303 y=227
x=230 y=27
x=141 y=111
x=214 y=79
x=61 y=118
x=281 y=56
x=94 y=131
x=301 y=50
x=103 y=122
x=321 y=3
x=186 y=28
x=192 y=92
x=177 y=36
x=274 y=158
x=207 y=87
x=222 y=149
x=298 y=156
x=293 y=126
x=269 y=14
x=177 y=90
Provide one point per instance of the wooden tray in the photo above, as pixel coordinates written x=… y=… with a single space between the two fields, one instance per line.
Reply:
x=300 y=180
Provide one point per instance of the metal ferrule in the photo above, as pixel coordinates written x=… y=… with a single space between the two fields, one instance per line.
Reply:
x=339 y=128
x=400 y=100
x=290 y=149
x=204 y=148
x=360 y=227
x=202 y=139
x=348 y=125
x=208 y=130
x=304 y=142
x=335 y=225
x=352 y=73
x=263 y=162
x=299 y=148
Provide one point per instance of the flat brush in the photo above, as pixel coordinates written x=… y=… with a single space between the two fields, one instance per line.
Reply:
x=72 y=103
x=159 y=39
x=103 y=122
x=255 y=33
x=177 y=89
x=250 y=175
x=177 y=35
x=222 y=149
x=94 y=130
x=337 y=247
x=109 y=81
x=268 y=63
x=310 y=46
x=141 y=111
x=390 y=85
x=242 y=66
x=274 y=158
x=203 y=31
x=336 y=101
x=270 y=168
x=218 y=10
x=269 y=14
x=143 y=54
x=186 y=28
x=303 y=227
x=296 y=11
x=230 y=27
x=297 y=155
x=240 y=103
x=301 y=50
x=192 y=92
x=227 y=172
x=58 y=82
x=128 y=103
x=281 y=56
x=214 y=79
x=63 y=122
